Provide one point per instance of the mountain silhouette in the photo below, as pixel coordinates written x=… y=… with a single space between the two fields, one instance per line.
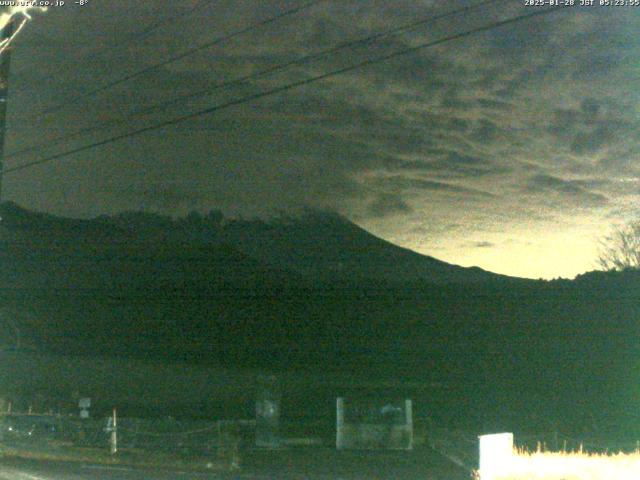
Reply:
x=315 y=293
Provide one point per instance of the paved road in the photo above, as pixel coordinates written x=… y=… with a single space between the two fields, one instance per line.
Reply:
x=16 y=469
x=321 y=464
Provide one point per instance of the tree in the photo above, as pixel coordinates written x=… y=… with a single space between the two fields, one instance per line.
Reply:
x=621 y=249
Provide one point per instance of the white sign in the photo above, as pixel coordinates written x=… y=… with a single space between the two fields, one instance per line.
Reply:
x=496 y=452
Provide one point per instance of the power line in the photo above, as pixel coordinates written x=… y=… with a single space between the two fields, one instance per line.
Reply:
x=284 y=88
x=181 y=56
x=246 y=78
x=136 y=36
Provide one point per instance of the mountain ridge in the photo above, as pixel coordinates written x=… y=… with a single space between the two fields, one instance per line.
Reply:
x=316 y=243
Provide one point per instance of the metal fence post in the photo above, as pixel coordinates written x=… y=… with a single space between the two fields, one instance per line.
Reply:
x=340 y=423
x=114 y=434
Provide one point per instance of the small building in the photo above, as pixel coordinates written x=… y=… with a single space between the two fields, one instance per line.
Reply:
x=374 y=424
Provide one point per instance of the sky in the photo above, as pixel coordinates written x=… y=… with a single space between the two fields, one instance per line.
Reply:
x=514 y=149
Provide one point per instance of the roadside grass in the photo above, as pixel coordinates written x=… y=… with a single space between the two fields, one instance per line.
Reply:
x=579 y=465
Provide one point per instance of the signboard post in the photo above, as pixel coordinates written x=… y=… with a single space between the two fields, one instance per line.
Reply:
x=268 y=398
x=114 y=434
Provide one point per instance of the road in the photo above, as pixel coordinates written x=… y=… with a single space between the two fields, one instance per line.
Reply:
x=19 y=469
x=321 y=464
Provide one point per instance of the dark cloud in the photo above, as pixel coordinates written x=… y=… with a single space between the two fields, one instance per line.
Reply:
x=457 y=124
x=445 y=164
x=412 y=184
x=456 y=158
x=508 y=89
x=388 y=205
x=593 y=140
x=566 y=188
x=452 y=99
x=592 y=127
x=493 y=104
x=485 y=131
x=423 y=74
x=597 y=66
x=329 y=110
x=590 y=106
x=483 y=244
x=455 y=164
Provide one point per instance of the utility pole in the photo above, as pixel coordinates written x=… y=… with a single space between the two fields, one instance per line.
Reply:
x=5 y=59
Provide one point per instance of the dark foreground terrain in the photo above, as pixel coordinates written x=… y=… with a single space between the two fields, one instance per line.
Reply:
x=286 y=465
x=165 y=317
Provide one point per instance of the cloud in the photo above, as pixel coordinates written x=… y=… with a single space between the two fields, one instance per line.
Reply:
x=593 y=140
x=568 y=189
x=403 y=183
x=444 y=164
x=520 y=135
x=485 y=131
x=386 y=205
x=596 y=133
x=483 y=244
x=492 y=104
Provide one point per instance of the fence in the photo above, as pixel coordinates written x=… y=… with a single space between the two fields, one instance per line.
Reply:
x=374 y=424
x=195 y=437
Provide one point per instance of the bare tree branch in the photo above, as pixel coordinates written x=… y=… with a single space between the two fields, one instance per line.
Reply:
x=621 y=249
